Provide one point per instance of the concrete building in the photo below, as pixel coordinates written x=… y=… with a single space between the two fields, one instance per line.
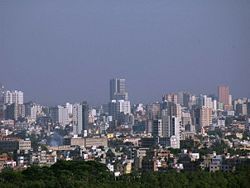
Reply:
x=154 y=111
x=175 y=132
x=24 y=144
x=14 y=111
x=13 y=144
x=118 y=109
x=225 y=97
x=32 y=110
x=157 y=128
x=171 y=97
x=207 y=101
x=205 y=117
x=186 y=121
x=118 y=89
x=59 y=114
x=183 y=98
x=241 y=109
x=165 y=123
x=87 y=142
x=11 y=97
x=80 y=118
x=97 y=141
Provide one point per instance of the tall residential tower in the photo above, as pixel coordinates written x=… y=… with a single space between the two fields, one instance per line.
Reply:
x=118 y=89
x=225 y=97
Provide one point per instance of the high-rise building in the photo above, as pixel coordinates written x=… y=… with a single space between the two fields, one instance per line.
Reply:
x=207 y=101
x=174 y=109
x=119 y=105
x=171 y=122
x=8 y=97
x=186 y=121
x=241 y=109
x=225 y=97
x=118 y=89
x=165 y=123
x=11 y=112
x=80 y=118
x=215 y=105
x=1 y=93
x=183 y=98
x=205 y=117
x=171 y=97
x=69 y=107
x=59 y=114
x=118 y=109
x=32 y=110
x=124 y=107
x=195 y=115
x=17 y=97
x=223 y=94
x=175 y=132
x=157 y=128
x=1 y=102
x=154 y=110
x=248 y=107
x=11 y=97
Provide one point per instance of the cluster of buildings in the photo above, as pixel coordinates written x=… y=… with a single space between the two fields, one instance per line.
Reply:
x=125 y=136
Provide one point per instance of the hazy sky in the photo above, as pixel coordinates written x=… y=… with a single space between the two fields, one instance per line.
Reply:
x=58 y=51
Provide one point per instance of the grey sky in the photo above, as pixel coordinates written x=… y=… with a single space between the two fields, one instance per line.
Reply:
x=58 y=51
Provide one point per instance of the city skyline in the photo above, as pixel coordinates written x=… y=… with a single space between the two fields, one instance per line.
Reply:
x=156 y=98
x=124 y=93
x=66 y=51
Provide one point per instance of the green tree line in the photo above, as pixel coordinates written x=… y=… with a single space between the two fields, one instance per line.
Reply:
x=66 y=174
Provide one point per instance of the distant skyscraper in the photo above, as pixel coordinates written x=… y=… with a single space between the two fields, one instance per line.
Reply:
x=171 y=124
x=118 y=89
x=223 y=94
x=1 y=102
x=14 y=111
x=165 y=123
x=11 y=112
x=1 y=93
x=11 y=97
x=154 y=110
x=225 y=97
x=32 y=111
x=119 y=105
x=59 y=114
x=175 y=132
x=80 y=118
x=157 y=128
x=205 y=117
x=171 y=97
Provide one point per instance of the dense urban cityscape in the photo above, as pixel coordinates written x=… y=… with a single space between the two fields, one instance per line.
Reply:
x=183 y=131
x=124 y=94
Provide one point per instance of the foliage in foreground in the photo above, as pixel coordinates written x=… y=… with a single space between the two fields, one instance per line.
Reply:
x=93 y=174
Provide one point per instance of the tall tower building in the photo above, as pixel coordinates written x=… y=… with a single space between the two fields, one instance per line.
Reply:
x=80 y=118
x=11 y=97
x=59 y=114
x=223 y=94
x=165 y=123
x=118 y=89
x=11 y=111
x=157 y=128
x=205 y=117
x=175 y=132
x=1 y=93
x=171 y=122
x=119 y=105
x=171 y=97
x=1 y=102
x=17 y=97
